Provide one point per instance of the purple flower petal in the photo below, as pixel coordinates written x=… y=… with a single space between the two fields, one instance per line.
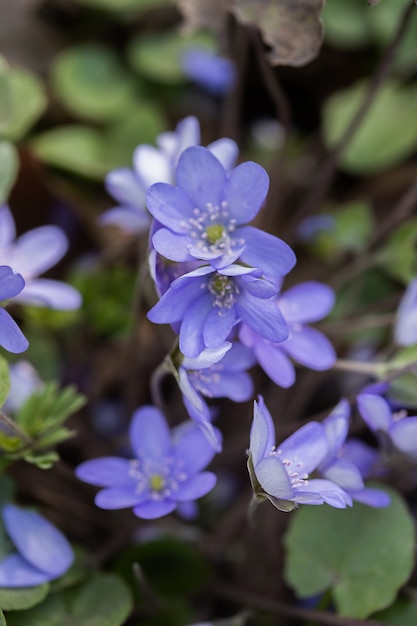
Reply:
x=125 y=187
x=218 y=326
x=7 y=227
x=154 y=509
x=15 y=572
x=209 y=357
x=371 y=497
x=266 y=251
x=197 y=487
x=149 y=434
x=38 y=541
x=172 y=245
x=404 y=435
x=151 y=166
x=239 y=358
x=263 y=317
x=262 y=434
x=120 y=497
x=126 y=218
x=245 y=191
x=273 y=478
x=311 y=348
x=38 y=250
x=11 y=337
x=53 y=294
x=336 y=428
x=307 y=302
x=307 y=446
x=104 y=472
x=226 y=151
x=330 y=493
x=237 y=386
x=11 y=283
x=174 y=303
x=171 y=206
x=191 y=445
x=187 y=134
x=375 y=411
x=405 y=330
x=361 y=455
x=191 y=336
x=275 y=363
x=201 y=176
x=344 y=474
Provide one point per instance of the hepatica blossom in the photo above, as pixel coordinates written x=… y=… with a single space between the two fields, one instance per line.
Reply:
x=300 y=305
x=209 y=303
x=205 y=215
x=11 y=337
x=394 y=430
x=405 y=330
x=165 y=471
x=32 y=254
x=282 y=473
x=156 y=164
x=38 y=553
x=215 y=74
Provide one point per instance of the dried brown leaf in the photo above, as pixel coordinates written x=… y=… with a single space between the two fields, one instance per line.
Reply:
x=292 y=28
x=208 y=14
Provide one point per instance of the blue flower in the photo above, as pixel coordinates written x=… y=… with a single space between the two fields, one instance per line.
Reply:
x=393 y=429
x=405 y=330
x=153 y=165
x=204 y=216
x=209 y=303
x=11 y=337
x=32 y=254
x=215 y=74
x=347 y=472
x=300 y=305
x=165 y=472
x=42 y=552
x=281 y=473
x=215 y=373
x=24 y=381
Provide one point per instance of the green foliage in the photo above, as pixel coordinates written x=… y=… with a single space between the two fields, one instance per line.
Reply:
x=22 y=101
x=363 y=555
x=2 y=619
x=119 y=6
x=158 y=57
x=4 y=380
x=23 y=598
x=103 y=600
x=398 y=256
x=346 y=23
x=386 y=136
x=403 y=390
x=402 y=613
x=9 y=165
x=90 y=81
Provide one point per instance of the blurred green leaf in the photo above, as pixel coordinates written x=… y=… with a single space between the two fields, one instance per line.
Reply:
x=25 y=102
x=346 y=24
x=4 y=380
x=398 y=257
x=23 y=598
x=403 y=391
x=353 y=227
x=387 y=134
x=402 y=613
x=9 y=165
x=104 y=600
x=384 y=20
x=159 y=56
x=43 y=461
x=363 y=555
x=91 y=82
x=2 y=619
x=118 y=6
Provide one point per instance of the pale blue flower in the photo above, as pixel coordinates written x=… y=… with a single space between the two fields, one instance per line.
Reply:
x=11 y=337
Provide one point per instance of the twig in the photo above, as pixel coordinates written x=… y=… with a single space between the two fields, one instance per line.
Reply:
x=16 y=430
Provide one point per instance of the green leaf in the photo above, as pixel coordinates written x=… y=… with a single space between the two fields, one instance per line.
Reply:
x=43 y=461
x=4 y=380
x=27 y=103
x=387 y=134
x=402 y=613
x=398 y=256
x=24 y=598
x=91 y=82
x=403 y=391
x=7 y=489
x=2 y=619
x=352 y=230
x=119 y=6
x=9 y=165
x=346 y=24
x=103 y=601
x=363 y=555
x=159 y=57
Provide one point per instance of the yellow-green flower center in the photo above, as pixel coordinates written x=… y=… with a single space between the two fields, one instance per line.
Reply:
x=214 y=233
x=157 y=482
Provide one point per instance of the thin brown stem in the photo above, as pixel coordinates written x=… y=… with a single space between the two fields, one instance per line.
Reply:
x=16 y=430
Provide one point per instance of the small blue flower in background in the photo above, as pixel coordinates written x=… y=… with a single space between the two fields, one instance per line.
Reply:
x=32 y=254
x=345 y=472
x=215 y=373
x=281 y=473
x=166 y=470
x=152 y=165
x=24 y=381
x=394 y=430
x=300 y=305
x=11 y=337
x=204 y=217
x=214 y=74
x=405 y=329
x=209 y=303
x=42 y=552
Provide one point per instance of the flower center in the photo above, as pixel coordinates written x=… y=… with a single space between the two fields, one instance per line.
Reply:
x=157 y=482
x=211 y=229
x=161 y=478
x=224 y=291
x=214 y=233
